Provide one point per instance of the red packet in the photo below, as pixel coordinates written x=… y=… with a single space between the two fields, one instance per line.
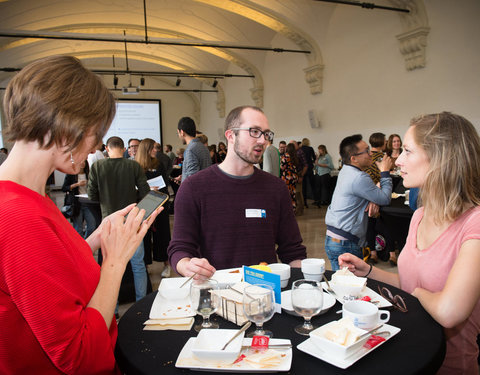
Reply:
x=260 y=342
x=240 y=358
x=373 y=341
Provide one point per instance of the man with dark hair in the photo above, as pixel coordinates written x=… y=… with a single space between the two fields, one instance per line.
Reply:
x=196 y=156
x=168 y=151
x=282 y=146
x=234 y=214
x=310 y=157
x=114 y=182
x=271 y=159
x=133 y=144
x=355 y=198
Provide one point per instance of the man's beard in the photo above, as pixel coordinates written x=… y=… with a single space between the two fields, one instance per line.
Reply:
x=251 y=159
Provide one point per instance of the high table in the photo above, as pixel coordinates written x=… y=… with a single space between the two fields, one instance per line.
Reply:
x=419 y=347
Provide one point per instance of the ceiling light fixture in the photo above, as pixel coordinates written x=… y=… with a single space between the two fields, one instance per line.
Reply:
x=215 y=83
x=142 y=81
x=177 y=83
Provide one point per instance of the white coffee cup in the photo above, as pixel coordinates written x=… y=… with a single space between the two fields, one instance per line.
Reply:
x=364 y=315
x=283 y=270
x=313 y=268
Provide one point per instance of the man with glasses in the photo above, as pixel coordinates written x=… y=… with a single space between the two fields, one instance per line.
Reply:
x=234 y=214
x=355 y=198
x=133 y=144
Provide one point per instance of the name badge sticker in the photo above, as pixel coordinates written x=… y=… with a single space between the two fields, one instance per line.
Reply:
x=255 y=213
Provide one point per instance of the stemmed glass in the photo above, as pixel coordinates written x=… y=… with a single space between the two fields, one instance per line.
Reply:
x=259 y=306
x=204 y=302
x=307 y=301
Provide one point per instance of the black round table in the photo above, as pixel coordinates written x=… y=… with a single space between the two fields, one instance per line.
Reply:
x=419 y=347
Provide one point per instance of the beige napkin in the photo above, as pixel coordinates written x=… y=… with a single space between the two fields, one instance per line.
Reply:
x=231 y=303
x=175 y=324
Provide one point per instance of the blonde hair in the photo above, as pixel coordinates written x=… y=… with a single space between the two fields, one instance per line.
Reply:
x=452 y=145
x=143 y=156
x=56 y=100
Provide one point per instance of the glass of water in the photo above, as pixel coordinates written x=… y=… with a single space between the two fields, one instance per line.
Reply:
x=204 y=302
x=307 y=301
x=259 y=306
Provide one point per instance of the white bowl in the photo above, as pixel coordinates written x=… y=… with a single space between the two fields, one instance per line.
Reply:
x=283 y=270
x=348 y=286
x=170 y=288
x=333 y=348
x=313 y=276
x=209 y=343
x=313 y=266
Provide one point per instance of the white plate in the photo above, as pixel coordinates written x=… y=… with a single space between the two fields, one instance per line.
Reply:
x=310 y=348
x=382 y=302
x=328 y=301
x=226 y=278
x=163 y=308
x=187 y=360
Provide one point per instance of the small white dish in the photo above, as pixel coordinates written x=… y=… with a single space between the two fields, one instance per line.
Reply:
x=228 y=277
x=310 y=348
x=283 y=270
x=170 y=289
x=328 y=302
x=187 y=360
x=209 y=343
x=332 y=348
x=347 y=286
x=382 y=302
x=163 y=308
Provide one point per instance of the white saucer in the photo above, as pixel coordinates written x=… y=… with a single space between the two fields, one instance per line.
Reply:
x=310 y=348
x=382 y=302
x=328 y=301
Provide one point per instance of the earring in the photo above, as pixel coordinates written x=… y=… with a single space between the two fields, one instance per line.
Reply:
x=71 y=158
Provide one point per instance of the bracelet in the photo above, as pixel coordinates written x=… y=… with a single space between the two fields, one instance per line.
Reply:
x=370 y=270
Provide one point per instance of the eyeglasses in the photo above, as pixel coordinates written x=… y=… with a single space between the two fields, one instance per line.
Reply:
x=397 y=301
x=367 y=151
x=257 y=133
x=133 y=146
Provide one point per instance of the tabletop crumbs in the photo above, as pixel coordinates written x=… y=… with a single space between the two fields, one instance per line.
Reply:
x=139 y=313
x=167 y=363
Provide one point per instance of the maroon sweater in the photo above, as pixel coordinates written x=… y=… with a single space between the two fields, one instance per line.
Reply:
x=211 y=220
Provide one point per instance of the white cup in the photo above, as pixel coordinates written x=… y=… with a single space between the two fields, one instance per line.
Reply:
x=364 y=315
x=283 y=270
x=313 y=268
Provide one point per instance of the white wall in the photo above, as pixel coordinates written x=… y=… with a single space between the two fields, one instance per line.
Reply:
x=366 y=86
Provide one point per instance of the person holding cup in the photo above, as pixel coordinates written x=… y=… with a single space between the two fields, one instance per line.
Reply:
x=439 y=263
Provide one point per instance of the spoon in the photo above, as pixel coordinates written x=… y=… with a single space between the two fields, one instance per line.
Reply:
x=243 y=329
x=186 y=281
x=329 y=288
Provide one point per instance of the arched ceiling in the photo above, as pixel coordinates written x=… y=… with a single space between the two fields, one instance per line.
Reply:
x=236 y=22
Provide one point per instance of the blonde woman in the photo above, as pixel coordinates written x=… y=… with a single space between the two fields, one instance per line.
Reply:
x=57 y=303
x=440 y=261
x=158 y=236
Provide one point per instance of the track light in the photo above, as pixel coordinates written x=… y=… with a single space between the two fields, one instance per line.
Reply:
x=215 y=83
x=142 y=81
x=177 y=83
x=115 y=81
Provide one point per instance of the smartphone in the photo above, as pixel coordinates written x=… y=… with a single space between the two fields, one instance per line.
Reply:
x=151 y=202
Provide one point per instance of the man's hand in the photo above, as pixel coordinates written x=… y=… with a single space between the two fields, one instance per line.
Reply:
x=199 y=266
x=177 y=179
x=372 y=209
x=385 y=164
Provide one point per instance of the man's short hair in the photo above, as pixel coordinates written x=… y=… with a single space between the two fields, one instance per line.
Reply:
x=234 y=117
x=188 y=126
x=377 y=140
x=282 y=143
x=115 y=142
x=133 y=139
x=348 y=147
x=169 y=147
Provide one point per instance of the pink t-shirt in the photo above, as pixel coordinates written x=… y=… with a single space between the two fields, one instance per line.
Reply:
x=429 y=269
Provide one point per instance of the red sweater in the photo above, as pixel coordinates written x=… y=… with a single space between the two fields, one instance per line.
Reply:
x=47 y=277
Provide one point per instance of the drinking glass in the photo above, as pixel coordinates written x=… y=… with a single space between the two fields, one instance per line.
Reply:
x=307 y=301
x=204 y=302
x=259 y=306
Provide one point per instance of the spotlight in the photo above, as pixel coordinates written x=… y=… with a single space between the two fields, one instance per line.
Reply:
x=142 y=81
x=115 y=81
x=177 y=83
x=215 y=83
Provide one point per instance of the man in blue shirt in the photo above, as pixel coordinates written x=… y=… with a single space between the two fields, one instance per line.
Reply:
x=355 y=198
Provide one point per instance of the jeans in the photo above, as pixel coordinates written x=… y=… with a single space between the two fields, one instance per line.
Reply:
x=77 y=221
x=335 y=249
x=139 y=273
